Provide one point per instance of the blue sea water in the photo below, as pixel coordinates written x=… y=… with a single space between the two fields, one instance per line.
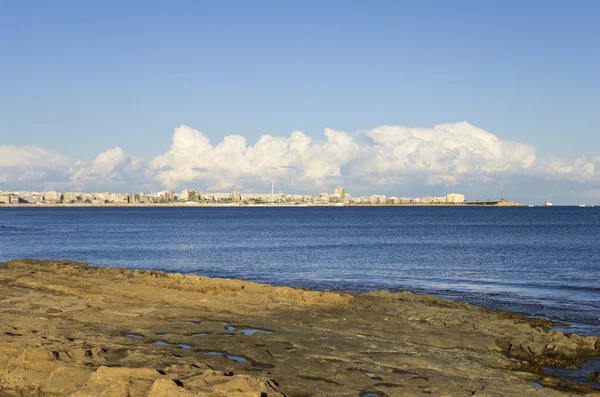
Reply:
x=543 y=262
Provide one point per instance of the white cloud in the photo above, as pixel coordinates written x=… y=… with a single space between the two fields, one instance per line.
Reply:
x=580 y=169
x=110 y=167
x=444 y=155
x=28 y=157
x=386 y=157
x=193 y=158
x=21 y=164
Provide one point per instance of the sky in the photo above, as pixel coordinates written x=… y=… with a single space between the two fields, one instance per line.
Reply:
x=492 y=99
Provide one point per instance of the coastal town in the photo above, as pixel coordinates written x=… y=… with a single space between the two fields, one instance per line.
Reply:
x=339 y=197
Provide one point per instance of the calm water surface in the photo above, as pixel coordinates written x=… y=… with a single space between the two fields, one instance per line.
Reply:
x=543 y=262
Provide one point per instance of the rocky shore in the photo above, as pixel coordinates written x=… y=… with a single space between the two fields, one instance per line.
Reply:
x=70 y=329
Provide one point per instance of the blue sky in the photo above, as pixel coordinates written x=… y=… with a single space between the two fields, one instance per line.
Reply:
x=82 y=77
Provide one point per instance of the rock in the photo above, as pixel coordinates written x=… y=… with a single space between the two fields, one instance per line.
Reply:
x=64 y=331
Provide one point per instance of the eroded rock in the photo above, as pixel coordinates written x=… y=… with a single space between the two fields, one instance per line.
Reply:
x=318 y=343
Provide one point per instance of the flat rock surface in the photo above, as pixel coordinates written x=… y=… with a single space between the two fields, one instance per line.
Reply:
x=69 y=329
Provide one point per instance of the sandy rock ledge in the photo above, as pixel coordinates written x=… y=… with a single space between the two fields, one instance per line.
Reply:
x=70 y=329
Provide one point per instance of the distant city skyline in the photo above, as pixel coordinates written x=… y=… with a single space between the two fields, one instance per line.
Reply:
x=190 y=196
x=490 y=99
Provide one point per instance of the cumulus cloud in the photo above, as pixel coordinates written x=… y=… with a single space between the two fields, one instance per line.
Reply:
x=232 y=162
x=444 y=154
x=387 y=157
x=448 y=150
x=110 y=167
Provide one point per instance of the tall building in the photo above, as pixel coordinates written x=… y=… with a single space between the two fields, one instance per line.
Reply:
x=338 y=195
x=188 y=195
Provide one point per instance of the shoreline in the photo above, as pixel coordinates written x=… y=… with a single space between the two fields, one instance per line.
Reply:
x=202 y=205
x=325 y=343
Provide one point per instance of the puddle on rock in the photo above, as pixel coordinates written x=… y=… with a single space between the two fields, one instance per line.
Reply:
x=202 y=334
x=213 y=353
x=230 y=328
x=370 y=395
x=237 y=359
x=228 y=334
x=134 y=336
x=535 y=384
x=161 y=343
x=198 y=322
x=184 y=347
x=251 y=331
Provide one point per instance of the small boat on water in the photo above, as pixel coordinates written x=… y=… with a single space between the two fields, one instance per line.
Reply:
x=548 y=203
x=582 y=205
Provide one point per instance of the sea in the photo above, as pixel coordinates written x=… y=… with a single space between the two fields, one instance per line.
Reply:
x=541 y=261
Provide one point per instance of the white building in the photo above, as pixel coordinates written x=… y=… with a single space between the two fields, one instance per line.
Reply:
x=455 y=198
